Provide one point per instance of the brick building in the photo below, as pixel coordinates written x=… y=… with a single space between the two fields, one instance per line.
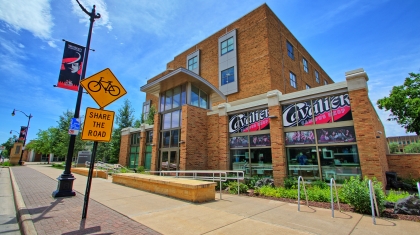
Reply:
x=251 y=98
x=403 y=141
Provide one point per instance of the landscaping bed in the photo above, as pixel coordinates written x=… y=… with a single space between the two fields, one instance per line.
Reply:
x=387 y=213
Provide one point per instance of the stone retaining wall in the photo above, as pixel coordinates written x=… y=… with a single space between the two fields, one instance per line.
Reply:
x=185 y=189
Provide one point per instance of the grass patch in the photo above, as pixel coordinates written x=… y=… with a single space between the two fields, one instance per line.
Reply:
x=394 y=196
x=59 y=165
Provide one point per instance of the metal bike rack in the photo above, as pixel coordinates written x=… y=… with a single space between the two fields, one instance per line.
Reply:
x=332 y=197
x=373 y=201
x=418 y=188
x=304 y=188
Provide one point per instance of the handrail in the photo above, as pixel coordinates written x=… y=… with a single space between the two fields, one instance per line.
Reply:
x=418 y=188
x=304 y=188
x=221 y=176
x=332 y=197
x=372 y=199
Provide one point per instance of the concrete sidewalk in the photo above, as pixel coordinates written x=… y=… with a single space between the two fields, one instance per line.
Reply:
x=231 y=215
x=8 y=222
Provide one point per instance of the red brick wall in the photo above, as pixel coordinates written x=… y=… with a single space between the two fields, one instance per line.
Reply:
x=278 y=152
x=366 y=123
x=124 y=150
x=213 y=142
x=406 y=165
x=223 y=143
x=281 y=64
x=193 y=153
x=142 y=149
x=155 y=148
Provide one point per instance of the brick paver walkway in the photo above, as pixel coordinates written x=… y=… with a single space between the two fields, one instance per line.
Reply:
x=63 y=215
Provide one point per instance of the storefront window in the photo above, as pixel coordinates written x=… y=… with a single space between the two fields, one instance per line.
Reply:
x=303 y=161
x=339 y=162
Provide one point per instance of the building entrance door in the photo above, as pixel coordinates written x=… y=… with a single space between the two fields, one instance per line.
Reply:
x=169 y=160
x=148 y=157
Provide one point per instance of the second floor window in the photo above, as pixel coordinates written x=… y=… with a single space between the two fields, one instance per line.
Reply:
x=227 y=45
x=293 y=80
x=316 y=76
x=325 y=82
x=308 y=87
x=198 y=97
x=305 y=65
x=192 y=63
x=228 y=76
x=290 y=50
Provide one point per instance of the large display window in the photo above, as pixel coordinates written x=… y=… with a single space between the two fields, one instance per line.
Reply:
x=303 y=161
x=250 y=143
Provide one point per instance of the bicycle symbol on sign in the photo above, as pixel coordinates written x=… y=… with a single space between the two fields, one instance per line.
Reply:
x=96 y=86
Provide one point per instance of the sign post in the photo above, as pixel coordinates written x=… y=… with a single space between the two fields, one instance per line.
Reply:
x=104 y=88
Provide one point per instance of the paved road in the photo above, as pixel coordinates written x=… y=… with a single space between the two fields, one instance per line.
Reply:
x=158 y=214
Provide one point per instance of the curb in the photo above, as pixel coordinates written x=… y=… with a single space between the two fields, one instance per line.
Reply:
x=22 y=214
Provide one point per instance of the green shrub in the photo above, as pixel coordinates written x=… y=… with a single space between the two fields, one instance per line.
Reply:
x=140 y=169
x=394 y=196
x=320 y=184
x=250 y=182
x=59 y=165
x=290 y=182
x=7 y=164
x=356 y=193
x=233 y=187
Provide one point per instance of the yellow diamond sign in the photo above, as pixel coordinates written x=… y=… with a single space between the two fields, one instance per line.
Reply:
x=98 y=125
x=104 y=87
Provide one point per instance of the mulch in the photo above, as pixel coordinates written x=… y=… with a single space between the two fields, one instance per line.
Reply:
x=387 y=213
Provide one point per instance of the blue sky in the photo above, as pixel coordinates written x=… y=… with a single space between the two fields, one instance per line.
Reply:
x=135 y=39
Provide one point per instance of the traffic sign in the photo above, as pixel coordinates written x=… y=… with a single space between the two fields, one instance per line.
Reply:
x=104 y=87
x=74 y=126
x=98 y=125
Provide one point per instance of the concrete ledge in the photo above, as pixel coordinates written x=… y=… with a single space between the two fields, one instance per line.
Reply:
x=185 y=189
x=85 y=172
x=24 y=217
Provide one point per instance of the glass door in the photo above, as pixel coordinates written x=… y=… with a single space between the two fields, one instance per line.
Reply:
x=148 y=157
x=169 y=160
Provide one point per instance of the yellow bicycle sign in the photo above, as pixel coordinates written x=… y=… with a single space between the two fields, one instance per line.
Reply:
x=104 y=87
x=95 y=86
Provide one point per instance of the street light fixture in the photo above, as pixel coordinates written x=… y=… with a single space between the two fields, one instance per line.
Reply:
x=27 y=129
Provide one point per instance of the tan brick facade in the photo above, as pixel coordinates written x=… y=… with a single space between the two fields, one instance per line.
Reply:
x=406 y=165
x=263 y=76
x=124 y=150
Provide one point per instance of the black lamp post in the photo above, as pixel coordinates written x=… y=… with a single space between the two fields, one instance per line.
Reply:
x=27 y=129
x=65 y=180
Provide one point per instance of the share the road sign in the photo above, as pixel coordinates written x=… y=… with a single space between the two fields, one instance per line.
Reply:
x=104 y=87
x=98 y=125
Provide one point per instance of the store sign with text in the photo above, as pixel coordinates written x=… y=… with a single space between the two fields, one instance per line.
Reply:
x=249 y=121
x=319 y=111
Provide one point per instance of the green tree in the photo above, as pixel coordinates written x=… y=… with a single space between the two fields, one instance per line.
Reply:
x=151 y=117
x=124 y=119
x=412 y=148
x=404 y=103
x=393 y=147
x=8 y=145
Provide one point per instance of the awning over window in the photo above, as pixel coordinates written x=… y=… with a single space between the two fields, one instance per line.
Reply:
x=180 y=76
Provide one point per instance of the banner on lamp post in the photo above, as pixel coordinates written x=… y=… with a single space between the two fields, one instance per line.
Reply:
x=22 y=133
x=71 y=66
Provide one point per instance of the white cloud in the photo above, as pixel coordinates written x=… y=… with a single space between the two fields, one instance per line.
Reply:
x=34 y=16
x=21 y=45
x=52 y=44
